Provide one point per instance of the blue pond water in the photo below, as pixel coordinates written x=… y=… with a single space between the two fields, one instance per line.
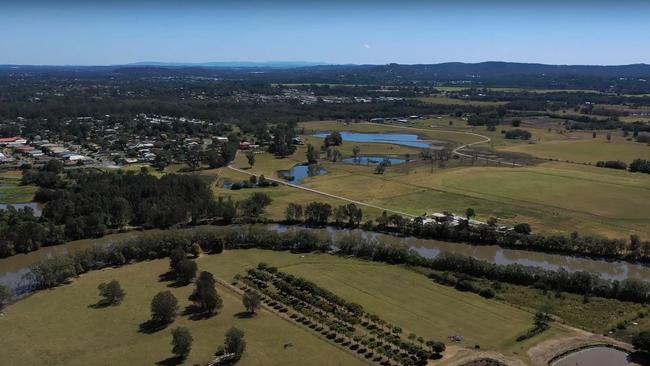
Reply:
x=299 y=172
x=389 y=138
x=372 y=160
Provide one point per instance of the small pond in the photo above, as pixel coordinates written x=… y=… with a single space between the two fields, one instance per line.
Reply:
x=387 y=138
x=373 y=160
x=594 y=356
x=299 y=172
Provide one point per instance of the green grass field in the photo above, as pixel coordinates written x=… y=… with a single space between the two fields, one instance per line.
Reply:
x=585 y=149
x=552 y=197
x=10 y=189
x=58 y=327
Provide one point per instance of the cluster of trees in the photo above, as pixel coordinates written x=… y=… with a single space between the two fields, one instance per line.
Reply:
x=319 y=214
x=22 y=232
x=640 y=165
x=612 y=164
x=333 y=139
x=96 y=201
x=111 y=293
x=89 y=203
x=518 y=134
x=254 y=182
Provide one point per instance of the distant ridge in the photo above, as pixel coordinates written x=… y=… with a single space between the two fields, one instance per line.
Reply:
x=262 y=64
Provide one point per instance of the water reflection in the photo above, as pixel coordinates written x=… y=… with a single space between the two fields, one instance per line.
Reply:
x=13 y=268
x=299 y=172
x=595 y=356
x=389 y=138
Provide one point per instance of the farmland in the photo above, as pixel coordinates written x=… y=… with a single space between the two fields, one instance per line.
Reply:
x=552 y=196
x=400 y=296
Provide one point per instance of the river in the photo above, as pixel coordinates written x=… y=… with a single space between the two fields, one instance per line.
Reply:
x=13 y=269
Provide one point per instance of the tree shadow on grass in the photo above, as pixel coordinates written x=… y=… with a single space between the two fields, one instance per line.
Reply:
x=167 y=277
x=99 y=305
x=170 y=276
x=151 y=326
x=170 y=361
x=244 y=315
x=196 y=313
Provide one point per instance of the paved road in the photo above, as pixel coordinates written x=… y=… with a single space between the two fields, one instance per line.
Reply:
x=325 y=193
x=484 y=139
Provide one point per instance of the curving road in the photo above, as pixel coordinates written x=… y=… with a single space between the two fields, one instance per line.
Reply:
x=484 y=140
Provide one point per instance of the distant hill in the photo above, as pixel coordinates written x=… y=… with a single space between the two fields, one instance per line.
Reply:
x=229 y=64
x=622 y=78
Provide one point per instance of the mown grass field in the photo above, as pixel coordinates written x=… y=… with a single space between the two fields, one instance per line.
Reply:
x=57 y=327
x=587 y=149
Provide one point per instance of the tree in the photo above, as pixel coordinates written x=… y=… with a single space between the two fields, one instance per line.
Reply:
x=234 y=342
x=312 y=154
x=333 y=139
x=185 y=270
x=293 y=212
x=522 y=228
x=5 y=296
x=205 y=294
x=175 y=256
x=317 y=213
x=355 y=151
x=181 y=342
x=251 y=301
x=196 y=250
x=255 y=205
x=250 y=155
x=111 y=293
x=164 y=307
x=469 y=213
x=641 y=341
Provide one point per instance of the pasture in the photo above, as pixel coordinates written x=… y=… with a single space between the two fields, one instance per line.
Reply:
x=60 y=327
x=553 y=197
x=110 y=335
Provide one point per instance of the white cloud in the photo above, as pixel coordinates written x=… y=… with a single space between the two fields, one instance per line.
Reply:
x=365 y=45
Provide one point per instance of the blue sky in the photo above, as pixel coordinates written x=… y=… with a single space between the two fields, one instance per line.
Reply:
x=377 y=32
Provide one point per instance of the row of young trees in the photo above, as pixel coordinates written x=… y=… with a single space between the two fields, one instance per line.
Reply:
x=341 y=321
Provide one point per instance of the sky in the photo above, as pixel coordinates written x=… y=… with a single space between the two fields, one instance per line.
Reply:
x=66 y=32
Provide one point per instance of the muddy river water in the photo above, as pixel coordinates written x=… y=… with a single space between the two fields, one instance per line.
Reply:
x=13 y=269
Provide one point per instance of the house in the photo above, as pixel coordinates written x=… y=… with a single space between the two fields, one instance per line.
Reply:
x=244 y=145
x=12 y=141
x=221 y=139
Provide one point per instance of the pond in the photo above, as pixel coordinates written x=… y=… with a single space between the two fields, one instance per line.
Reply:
x=299 y=172
x=595 y=356
x=373 y=160
x=387 y=138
